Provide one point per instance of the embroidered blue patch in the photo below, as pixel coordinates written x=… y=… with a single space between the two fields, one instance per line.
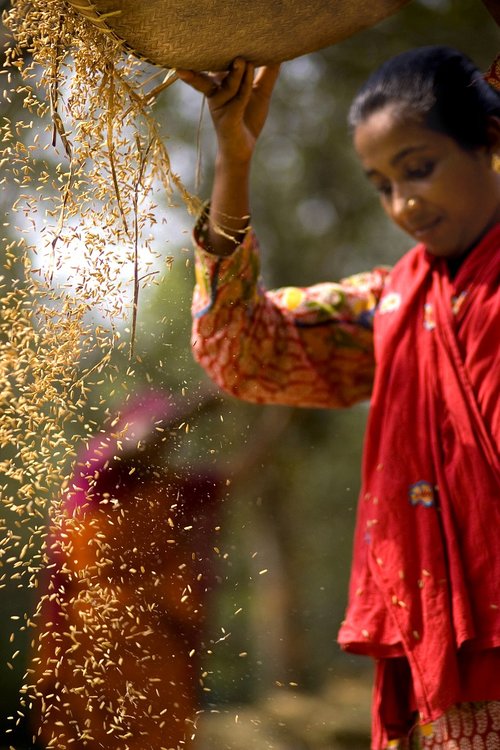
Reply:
x=421 y=493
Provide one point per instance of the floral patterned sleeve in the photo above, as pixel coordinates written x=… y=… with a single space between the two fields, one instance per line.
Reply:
x=297 y=346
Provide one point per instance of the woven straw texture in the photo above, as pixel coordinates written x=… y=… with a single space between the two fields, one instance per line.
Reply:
x=209 y=34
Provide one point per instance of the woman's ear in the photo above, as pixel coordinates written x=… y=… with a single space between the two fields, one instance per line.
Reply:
x=493 y=132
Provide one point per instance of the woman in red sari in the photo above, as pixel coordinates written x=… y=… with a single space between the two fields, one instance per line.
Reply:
x=421 y=341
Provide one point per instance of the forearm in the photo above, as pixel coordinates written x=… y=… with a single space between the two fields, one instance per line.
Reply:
x=238 y=104
x=230 y=205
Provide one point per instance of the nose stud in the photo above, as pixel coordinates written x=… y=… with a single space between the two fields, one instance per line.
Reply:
x=411 y=202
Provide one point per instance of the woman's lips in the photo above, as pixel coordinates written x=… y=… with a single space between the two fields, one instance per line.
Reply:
x=425 y=230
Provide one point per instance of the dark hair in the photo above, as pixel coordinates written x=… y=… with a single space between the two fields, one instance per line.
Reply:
x=439 y=85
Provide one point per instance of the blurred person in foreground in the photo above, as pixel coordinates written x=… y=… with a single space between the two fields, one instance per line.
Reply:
x=116 y=660
x=420 y=340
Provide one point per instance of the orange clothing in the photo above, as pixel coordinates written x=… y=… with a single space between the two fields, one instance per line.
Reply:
x=120 y=628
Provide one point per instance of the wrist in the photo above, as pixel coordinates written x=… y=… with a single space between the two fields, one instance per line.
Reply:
x=235 y=166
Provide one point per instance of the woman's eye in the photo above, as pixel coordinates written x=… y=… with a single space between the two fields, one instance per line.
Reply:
x=383 y=188
x=421 y=171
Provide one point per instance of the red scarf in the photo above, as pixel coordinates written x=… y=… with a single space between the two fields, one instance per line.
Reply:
x=426 y=570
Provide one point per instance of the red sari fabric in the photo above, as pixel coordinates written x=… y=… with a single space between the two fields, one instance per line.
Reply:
x=425 y=582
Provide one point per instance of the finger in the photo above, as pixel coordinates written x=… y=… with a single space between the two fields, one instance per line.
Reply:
x=260 y=98
x=202 y=82
x=245 y=89
x=266 y=78
x=231 y=84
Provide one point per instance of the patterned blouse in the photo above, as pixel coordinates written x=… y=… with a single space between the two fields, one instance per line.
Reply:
x=297 y=346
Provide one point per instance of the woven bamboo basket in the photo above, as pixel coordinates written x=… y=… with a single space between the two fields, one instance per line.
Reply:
x=209 y=34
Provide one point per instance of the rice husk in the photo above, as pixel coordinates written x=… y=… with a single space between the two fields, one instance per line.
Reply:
x=80 y=170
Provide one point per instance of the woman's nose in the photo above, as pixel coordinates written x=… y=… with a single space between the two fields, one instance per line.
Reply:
x=404 y=204
x=398 y=204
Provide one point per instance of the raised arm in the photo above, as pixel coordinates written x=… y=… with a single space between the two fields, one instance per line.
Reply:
x=238 y=103
x=303 y=347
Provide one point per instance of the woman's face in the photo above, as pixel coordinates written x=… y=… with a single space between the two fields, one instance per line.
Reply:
x=436 y=191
